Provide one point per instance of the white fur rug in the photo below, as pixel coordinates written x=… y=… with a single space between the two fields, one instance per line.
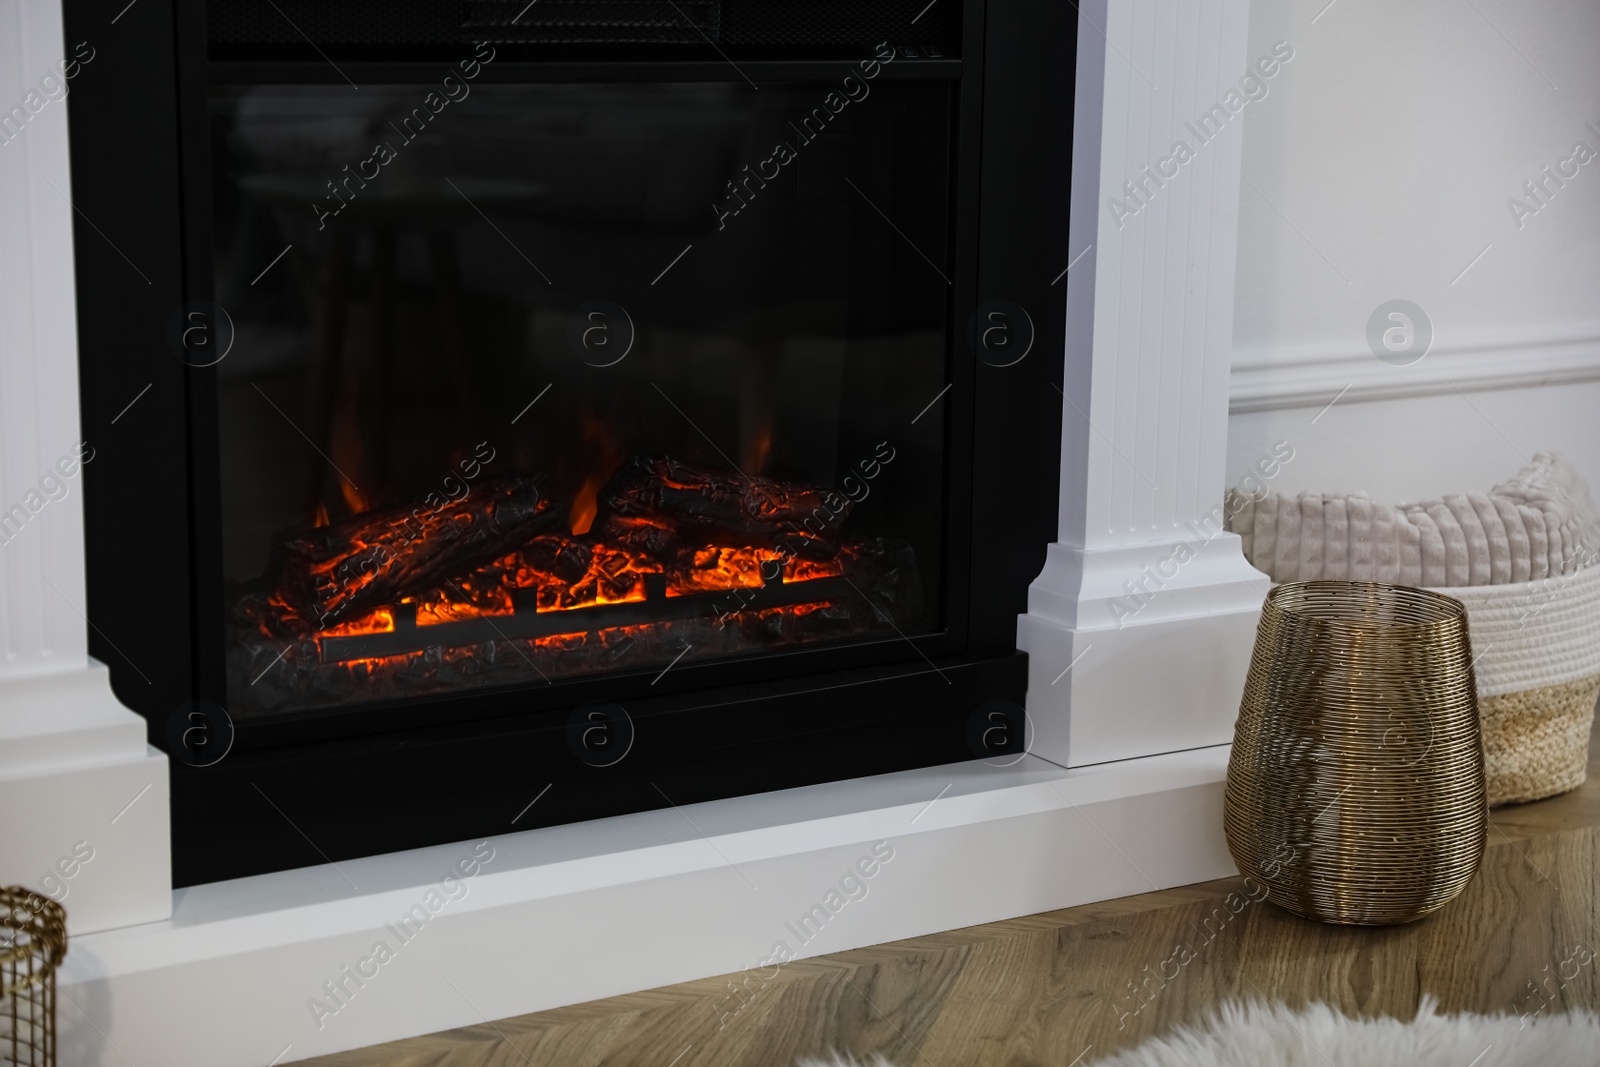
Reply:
x=1260 y=1035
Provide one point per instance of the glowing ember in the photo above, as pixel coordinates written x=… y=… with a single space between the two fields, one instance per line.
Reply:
x=476 y=590
x=610 y=575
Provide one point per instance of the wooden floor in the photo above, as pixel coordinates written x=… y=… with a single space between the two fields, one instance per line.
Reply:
x=1065 y=988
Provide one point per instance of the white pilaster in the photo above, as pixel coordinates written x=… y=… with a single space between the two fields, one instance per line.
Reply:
x=76 y=776
x=1151 y=605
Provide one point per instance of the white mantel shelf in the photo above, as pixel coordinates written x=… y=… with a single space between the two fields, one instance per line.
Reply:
x=577 y=912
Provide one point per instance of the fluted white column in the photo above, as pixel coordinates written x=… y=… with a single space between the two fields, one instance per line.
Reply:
x=1140 y=626
x=77 y=778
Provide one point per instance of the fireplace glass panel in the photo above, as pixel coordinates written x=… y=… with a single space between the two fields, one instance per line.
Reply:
x=551 y=380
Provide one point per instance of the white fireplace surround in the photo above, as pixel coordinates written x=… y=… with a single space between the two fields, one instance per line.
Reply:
x=1138 y=630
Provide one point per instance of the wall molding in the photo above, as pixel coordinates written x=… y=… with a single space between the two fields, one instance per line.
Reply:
x=1312 y=375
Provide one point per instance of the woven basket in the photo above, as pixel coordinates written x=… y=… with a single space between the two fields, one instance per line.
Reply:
x=1537 y=640
x=1538 y=665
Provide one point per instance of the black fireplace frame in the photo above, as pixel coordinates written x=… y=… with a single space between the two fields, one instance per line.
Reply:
x=317 y=787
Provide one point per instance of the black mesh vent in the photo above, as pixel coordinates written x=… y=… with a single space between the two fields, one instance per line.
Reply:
x=447 y=22
x=594 y=21
x=781 y=22
x=334 y=21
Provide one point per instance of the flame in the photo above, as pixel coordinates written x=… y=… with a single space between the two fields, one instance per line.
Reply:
x=586 y=505
x=344 y=446
x=353 y=497
x=322 y=515
x=605 y=454
x=758 y=449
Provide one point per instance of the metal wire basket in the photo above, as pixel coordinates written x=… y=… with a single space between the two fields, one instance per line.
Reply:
x=33 y=940
x=1356 y=783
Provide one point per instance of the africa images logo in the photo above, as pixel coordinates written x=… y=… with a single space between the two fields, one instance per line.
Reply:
x=1399 y=332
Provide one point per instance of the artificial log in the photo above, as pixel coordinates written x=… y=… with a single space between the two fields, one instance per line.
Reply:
x=338 y=573
x=887 y=599
x=660 y=505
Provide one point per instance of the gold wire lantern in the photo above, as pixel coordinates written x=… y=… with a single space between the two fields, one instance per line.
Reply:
x=33 y=939
x=1356 y=786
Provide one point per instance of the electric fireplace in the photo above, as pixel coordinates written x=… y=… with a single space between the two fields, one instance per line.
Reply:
x=518 y=417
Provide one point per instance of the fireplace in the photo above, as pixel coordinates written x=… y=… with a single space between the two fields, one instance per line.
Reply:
x=512 y=485
x=516 y=419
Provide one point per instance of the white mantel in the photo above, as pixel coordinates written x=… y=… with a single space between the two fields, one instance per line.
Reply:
x=226 y=979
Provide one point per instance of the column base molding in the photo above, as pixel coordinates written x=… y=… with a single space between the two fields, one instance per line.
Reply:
x=90 y=824
x=1136 y=650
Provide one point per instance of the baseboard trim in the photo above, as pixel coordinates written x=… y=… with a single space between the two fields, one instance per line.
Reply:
x=572 y=913
x=1312 y=376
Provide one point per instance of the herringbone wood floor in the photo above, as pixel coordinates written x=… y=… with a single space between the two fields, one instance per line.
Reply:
x=1057 y=989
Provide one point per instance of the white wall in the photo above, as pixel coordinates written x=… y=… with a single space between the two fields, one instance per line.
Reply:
x=1379 y=167
x=1419 y=447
